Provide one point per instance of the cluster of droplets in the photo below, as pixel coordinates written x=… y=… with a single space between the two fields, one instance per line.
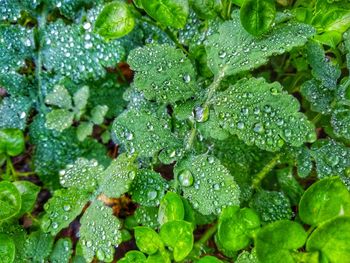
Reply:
x=163 y=73
x=271 y=206
x=99 y=232
x=332 y=158
x=75 y=51
x=207 y=184
x=143 y=132
x=147 y=216
x=340 y=122
x=237 y=51
x=148 y=188
x=10 y=10
x=14 y=112
x=253 y=109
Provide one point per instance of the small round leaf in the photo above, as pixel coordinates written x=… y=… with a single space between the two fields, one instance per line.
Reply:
x=11 y=142
x=10 y=200
x=147 y=240
x=7 y=249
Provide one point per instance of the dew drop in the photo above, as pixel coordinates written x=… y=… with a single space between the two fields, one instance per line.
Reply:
x=186 y=178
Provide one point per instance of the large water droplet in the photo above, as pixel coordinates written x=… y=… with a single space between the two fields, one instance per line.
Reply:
x=186 y=178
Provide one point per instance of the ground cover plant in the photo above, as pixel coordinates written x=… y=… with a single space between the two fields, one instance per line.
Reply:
x=174 y=131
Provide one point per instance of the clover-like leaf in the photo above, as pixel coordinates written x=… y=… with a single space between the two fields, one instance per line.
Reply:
x=163 y=73
x=257 y=16
x=74 y=51
x=168 y=12
x=117 y=178
x=179 y=237
x=340 y=121
x=99 y=239
x=272 y=245
x=10 y=200
x=331 y=157
x=331 y=239
x=143 y=132
x=171 y=208
x=29 y=193
x=148 y=187
x=271 y=205
x=114 y=21
x=11 y=142
x=324 y=200
x=63 y=208
x=206 y=183
x=263 y=114
x=82 y=174
x=235 y=226
x=234 y=50
x=147 y=240
x=62 y=251
x=7 y=249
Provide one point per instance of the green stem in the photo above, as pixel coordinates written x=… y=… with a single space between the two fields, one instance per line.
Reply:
x=309 y=231
x=316 y=118
x=206 y=236
x=213 y=86
x=25 y=173
x=229 y=8
x=267 y=168
x=10 y=168
x=190 y=140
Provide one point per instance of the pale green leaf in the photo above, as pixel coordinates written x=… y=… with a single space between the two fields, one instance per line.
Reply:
x=80 y=99
x=163 y=73
x=99 y=239
x=207 y=184
x=14 y=112
x=59 y=119
x=84 y=130
x=143 y=132
x=263 y=114
x=59 y=97
x=63 y=208
x=233 y=50
x=98 y=113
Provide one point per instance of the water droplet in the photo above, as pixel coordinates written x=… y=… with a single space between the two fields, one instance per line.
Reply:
x=211 y=159
x=201 y=114
x=66 y=208
x=259 y=128
x=152 y=195
x=240 y=125
x=129 y=136
x=187 y=78
x=86 y=25
x=186 y=178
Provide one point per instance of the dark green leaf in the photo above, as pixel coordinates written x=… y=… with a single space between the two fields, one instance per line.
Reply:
x=62 y=251
x=38 y=246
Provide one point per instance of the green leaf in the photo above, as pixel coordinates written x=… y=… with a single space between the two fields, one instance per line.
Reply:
x=233 y=50
x=206 y=183
x=38 y=246
x=74 y=51
x=11 y=142
x=62 y=209
x=83 y=174
x=80 y=99
x=7 y=249
x=263 y=114
x=209 y=259
x=69 y=8
x=246 y=257
x=168 y=12
x=62 y=251
x=59 y=120
x=272 y=245
x=340 y=121
x=235 y=228
x=10 y=200
x=147 y=240
x=162 y=256
x=59 y=97
x=14 y=112
x=84 y=130
x=143 y=132
x=206 y=8
x=148 y=187
x=147 y=216
x=163 y=73
x=289 y=185
x=331 y=239
x=114 y=21
x=118 y=176
x=11 y=9
x=257 y=16
x=271 y=205
x=171 y=208
x=178 y=236
x=133 y=256
x=29 y=193
x=324 y=200
x=99 y=239
x=322 y=68
x=98 y=113
x=332 y=158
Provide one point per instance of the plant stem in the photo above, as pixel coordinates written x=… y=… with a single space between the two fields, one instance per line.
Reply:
x=229 y=8
x=190 y=140
x=213 y=86
x=206 y=236
x=316 y=118
x=10 y=168
x=267 y=168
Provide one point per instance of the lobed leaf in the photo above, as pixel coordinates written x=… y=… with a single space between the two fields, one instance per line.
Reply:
x=62 y=251
x=263 y=114
x=163 y=73
x=206 y=183
x=14 y=112
x=233 y=50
